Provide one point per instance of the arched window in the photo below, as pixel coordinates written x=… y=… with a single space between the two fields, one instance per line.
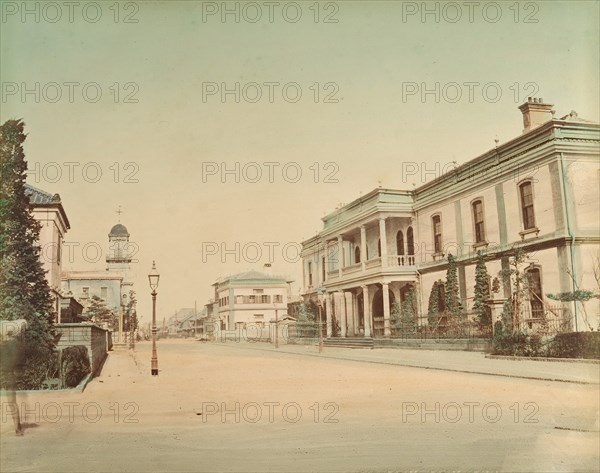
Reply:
x=534 y=280
x=410 y=241
x=526 y=193
x=478 y=221
x=400 y=243
x=357 y=254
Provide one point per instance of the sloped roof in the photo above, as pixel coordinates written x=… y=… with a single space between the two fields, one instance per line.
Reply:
x=253 y=277
x=38 y=196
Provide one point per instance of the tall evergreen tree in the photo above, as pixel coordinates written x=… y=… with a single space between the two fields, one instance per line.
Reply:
x=452 y=295
x=24 y=290
x=408 y=312
x=481 y=292
x=436 y=304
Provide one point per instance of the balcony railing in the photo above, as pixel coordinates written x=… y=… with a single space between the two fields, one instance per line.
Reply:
x=373 y=263
x=401 y=260
x=354 y=268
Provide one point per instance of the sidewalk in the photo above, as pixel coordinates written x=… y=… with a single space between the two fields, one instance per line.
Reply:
x=458 y=361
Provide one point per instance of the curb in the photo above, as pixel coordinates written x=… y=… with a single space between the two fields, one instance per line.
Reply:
x=543 y=358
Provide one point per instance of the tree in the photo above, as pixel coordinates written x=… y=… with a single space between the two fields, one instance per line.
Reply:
x=395 y=312
x=452 y=295
x=482 y=292
x=436 y=304
x=512 y=311
x=24 y=290
x=100 y=314
x=130 y=316
x=307 y=312
x=408 y=312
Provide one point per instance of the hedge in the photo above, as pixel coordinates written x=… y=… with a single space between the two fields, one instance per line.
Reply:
x=575 y=345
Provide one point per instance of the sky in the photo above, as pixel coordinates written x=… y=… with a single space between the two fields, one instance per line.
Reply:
x=226 y=129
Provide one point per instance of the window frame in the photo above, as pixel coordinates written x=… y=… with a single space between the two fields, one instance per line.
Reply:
x=483 y=240
x=437 y=251
x=522 y=206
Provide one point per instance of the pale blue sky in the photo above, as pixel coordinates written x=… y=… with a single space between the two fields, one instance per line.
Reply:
x=369 y=53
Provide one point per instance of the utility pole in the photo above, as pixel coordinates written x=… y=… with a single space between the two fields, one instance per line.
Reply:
x=195 y=321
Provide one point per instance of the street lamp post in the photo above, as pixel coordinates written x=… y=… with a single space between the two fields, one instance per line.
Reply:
x=321 y=295
x=276 y=326
x=153 y=278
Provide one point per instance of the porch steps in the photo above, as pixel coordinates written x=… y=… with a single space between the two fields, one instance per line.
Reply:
x=349 y=342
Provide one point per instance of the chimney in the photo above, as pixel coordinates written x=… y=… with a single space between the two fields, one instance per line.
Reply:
x=535 y=112
x=267 y=269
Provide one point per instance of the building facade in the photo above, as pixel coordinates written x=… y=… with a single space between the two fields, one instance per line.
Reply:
x=539 y=192
x=250 y=298
x=48 y=210
x=114 y=284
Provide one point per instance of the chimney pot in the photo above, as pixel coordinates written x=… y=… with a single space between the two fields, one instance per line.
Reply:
x=535 y=113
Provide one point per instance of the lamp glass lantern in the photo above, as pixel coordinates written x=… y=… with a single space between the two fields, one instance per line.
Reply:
x=153 y=277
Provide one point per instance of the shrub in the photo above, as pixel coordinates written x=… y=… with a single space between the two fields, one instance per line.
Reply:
x=75 y=365
x=516 y=344
x=576 y=345
x=30 y=365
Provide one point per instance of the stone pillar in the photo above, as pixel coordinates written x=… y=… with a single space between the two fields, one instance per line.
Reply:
x=328 y=315
x=347 y=328
x=355 y=321
x=383 y=240
x=386 y=310
x=340 y=255
x=363 y=246
x=340 y=312
x=367 y=311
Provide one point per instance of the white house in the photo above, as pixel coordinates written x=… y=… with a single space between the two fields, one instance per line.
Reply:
x=251 y=298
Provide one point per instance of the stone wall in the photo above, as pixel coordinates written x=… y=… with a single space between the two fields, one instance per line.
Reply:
x=97 y=341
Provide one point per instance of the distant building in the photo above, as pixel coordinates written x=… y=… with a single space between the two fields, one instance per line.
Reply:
x=250 y=297
x=538 y=192
x=113 y=285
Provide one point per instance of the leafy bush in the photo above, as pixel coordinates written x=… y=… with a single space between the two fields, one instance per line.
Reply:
x=26 y=365
x=576 y=345
x=516 y=344
x=75 y=365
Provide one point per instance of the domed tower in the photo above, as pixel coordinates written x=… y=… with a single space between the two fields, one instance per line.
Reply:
x=119 y=249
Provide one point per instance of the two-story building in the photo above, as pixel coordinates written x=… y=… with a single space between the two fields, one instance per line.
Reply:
x=539 y=192
x=48 y=210
x=250 y=298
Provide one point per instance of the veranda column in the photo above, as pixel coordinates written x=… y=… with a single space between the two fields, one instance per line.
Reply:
x=355 y=313
x=363 y=246
x=349 y=313
x=383 y=240
x=366 y=311
x=340 y=307
x=328 y=315
x=386 y=310
x=340 y=255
